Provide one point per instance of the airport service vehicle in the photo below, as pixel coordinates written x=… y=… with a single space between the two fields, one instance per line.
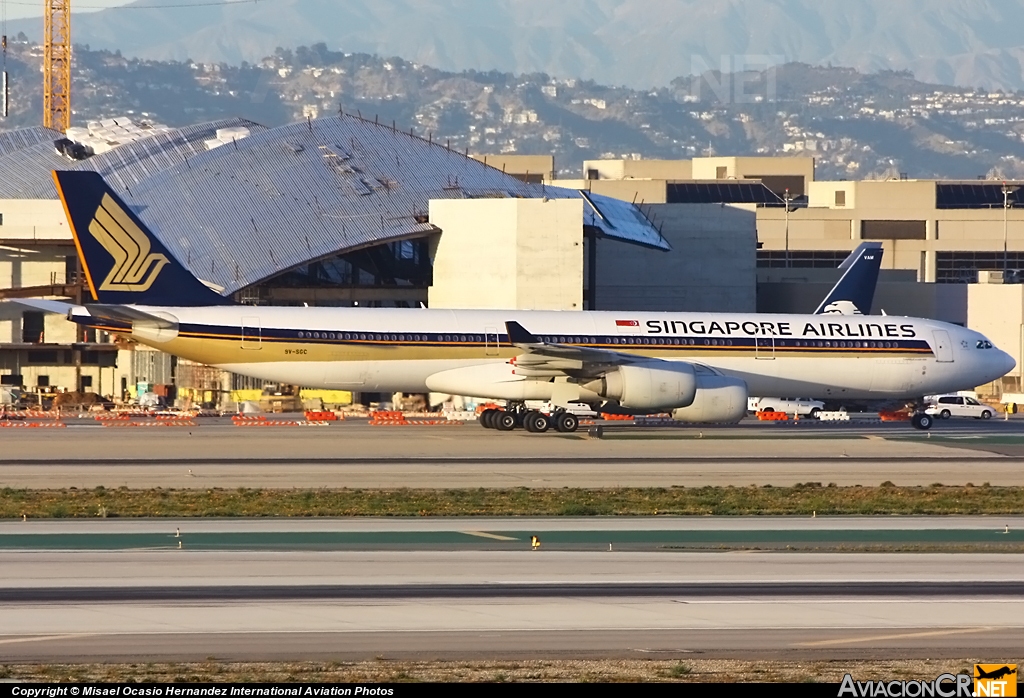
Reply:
x=700 y=367
x=790 y=405
x=946 y=406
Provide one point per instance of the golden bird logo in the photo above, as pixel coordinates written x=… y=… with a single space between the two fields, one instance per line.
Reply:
x=135 y=268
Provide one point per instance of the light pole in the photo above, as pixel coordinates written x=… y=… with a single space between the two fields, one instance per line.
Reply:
x=787 y=200
x=1007 y=190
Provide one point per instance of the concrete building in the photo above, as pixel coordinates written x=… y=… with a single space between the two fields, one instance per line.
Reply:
x=710 y=268
x=943 y=231
x=336 y=211
x=508 y=253
x=532 y=169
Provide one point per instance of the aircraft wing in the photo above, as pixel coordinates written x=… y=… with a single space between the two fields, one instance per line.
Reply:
x=128 y=314
x=545 y=359
x=55 y=307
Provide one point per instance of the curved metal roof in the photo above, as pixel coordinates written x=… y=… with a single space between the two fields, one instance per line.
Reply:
x=242 y=213
x=27 y=157
x=245 y=212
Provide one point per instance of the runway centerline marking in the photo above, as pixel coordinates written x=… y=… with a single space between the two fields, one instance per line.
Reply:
x=901 y=636
x=484 y=534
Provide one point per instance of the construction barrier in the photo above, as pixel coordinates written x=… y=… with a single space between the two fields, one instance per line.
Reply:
x=39 y=414
x=321 y=416
x=617 y=417
x=264 y=422
x=772 y=417
x=164 y=423
x=32 y=425
x=111 y=417
x=836 y=416
x=247 y=418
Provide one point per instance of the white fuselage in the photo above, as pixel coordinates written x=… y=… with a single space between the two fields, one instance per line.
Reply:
x=392 y=350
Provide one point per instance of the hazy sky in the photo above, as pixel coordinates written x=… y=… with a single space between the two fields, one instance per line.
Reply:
x=16 y=9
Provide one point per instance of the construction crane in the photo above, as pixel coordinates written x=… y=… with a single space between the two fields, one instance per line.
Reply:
x=57 y=64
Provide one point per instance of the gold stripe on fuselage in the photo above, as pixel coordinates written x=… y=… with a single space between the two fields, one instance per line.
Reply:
x=217 y=349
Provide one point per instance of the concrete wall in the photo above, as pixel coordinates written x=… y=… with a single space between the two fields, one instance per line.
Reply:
x=997 y=311
x=508 y=253
x=945 y=302
x=638 y=169
x=33 y=219
x=711 y=266
x=745 y=167
x=648 y=191
x=543 y=165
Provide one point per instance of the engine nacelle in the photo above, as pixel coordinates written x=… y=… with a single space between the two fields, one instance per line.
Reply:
x=655 y=386
x=719 y=400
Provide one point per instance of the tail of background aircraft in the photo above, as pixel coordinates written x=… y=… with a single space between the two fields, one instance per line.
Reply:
x=855 y=290
x=124 y=262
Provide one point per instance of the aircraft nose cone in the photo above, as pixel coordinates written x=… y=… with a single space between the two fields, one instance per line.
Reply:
x=1008 y=363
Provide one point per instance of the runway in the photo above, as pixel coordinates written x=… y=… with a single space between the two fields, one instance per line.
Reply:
x=360 y=456
x=136 y=605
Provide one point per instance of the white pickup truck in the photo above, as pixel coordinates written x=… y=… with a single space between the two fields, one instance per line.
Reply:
x=805 y=407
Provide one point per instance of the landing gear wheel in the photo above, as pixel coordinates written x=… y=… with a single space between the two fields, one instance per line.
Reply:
x=528 y=421
x=486 y=418
x=505 y=421
x=945 y=414
x=566 y=422
x=921 y=421
x=541 y=422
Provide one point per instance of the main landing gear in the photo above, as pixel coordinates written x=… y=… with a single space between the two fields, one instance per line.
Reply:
x=535 y=422
x=922 y=421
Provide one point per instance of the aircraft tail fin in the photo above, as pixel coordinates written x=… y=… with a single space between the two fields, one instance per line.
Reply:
x=854 y=293
x=124 y=262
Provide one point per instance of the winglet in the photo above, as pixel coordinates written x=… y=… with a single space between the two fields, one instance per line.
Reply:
x=517 y=334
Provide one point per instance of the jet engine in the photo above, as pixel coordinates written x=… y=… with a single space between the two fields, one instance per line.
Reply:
x=719 y=399
x=655 y=385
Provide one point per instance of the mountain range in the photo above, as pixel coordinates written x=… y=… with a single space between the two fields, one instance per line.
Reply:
x=635 y=43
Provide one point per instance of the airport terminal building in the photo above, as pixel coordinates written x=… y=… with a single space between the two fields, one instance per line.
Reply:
x=347 y=212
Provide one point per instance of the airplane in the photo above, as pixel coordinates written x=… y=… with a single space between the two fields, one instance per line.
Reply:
x=855 y=290
x=701 y=367
x=994 y=674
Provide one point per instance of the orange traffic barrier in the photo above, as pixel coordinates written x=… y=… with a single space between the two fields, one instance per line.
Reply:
x=110 y=417
x=247 y=418
x=617 y=417
x=765 y=416
x=32 y=425
x=321 y=416
x=165 y=423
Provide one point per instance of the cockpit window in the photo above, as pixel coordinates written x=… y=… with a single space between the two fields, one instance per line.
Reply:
x=984 y=344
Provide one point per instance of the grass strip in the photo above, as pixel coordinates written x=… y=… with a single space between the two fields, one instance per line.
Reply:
x=801 y=499
x=689 y=669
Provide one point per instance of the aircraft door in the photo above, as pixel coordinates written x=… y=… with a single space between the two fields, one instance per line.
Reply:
x=764 y=347
x=943 y=347
x=491 y=341
x=252 y=332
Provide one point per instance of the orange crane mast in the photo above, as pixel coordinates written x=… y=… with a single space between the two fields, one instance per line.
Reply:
x=57 y=65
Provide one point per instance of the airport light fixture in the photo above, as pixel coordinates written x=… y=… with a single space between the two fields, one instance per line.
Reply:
x=1007 y=190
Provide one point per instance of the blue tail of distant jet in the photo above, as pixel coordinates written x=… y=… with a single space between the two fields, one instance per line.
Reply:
x=855 y=290
x=124 y=262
